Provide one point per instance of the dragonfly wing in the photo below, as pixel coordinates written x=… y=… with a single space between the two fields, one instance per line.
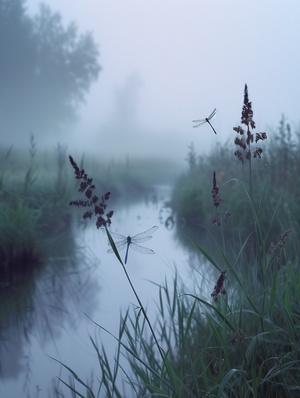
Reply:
x=212 y=114
x=141 y=249
x=144 y=234
x=119 y=245
x=118 y=236
x=199 y=122
x=140 y=240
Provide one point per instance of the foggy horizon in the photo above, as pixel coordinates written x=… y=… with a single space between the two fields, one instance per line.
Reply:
x=165 y=64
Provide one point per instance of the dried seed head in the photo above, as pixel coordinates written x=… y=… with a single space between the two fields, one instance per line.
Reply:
x=246 y=137
x=219 y=287
x=280 y=245
x=247 y=112
x=238 y=337
x=87 y=187
x=215 y=192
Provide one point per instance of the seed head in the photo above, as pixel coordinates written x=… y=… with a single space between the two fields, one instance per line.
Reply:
x=215 y=192
x=99 y=205
x=219 y=287
x=246 y=137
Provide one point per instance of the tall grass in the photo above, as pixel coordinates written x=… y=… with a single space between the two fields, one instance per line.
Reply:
x=237 y=333
x=33 y=211
x=275 y=189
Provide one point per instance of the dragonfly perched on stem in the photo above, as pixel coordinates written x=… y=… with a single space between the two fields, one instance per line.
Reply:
x=132 y=242
x=200 y=122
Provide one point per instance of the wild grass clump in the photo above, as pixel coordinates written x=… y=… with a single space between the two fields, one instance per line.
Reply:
x=267 y=165
x=18 y=235
x=237 y=333
x=33 y=211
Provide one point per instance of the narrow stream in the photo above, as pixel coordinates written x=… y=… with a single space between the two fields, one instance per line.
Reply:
x=91 y=286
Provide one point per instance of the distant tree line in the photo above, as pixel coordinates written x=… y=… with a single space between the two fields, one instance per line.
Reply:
x=45 y=68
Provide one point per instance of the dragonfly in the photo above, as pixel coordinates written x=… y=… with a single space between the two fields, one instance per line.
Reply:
x=200 y=122
x=132 y=242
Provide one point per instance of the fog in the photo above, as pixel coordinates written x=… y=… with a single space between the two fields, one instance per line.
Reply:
x=165 y=63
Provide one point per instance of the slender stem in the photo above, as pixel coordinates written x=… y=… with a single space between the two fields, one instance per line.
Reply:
x=250 y=169
x=144 y=313
x=137 y=297
x=223 y=238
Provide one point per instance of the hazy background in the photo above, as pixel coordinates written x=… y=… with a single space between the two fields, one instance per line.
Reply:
x=167 y=62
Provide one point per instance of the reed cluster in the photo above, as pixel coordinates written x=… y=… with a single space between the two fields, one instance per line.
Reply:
x=33 y=211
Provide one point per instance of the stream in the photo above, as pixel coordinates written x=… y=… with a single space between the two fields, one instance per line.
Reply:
x=51 y=317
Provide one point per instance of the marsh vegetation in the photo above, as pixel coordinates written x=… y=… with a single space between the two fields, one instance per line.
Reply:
x=242 y=339
x=236 y=333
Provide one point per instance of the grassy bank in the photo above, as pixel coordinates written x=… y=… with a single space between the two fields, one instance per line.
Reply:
x=271 y=180
x=33 y=210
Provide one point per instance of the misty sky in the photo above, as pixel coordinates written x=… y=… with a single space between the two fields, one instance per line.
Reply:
x=167 y=62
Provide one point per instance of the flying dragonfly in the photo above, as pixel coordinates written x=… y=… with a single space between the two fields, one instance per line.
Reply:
x=132 y=241
x=200 y=122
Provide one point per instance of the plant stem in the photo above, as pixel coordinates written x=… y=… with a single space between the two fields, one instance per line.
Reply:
x=137 y=297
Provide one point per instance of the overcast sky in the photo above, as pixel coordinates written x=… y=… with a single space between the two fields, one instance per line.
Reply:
x=177 y=60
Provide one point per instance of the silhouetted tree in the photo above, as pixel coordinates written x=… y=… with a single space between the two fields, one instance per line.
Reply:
x=45 y=68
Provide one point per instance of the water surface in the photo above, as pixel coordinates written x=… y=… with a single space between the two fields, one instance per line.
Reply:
x=49 y=316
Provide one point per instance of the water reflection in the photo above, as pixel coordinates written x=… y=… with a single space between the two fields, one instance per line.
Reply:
x=38 y=309
x=44 y=314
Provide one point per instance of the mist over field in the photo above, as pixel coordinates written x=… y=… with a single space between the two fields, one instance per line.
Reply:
x=163 y=64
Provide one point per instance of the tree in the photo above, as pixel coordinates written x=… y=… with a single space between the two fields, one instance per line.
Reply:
x=45 y=69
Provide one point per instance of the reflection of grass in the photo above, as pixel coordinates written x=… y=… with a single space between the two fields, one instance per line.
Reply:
x=18 y=236
x=237 y=333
